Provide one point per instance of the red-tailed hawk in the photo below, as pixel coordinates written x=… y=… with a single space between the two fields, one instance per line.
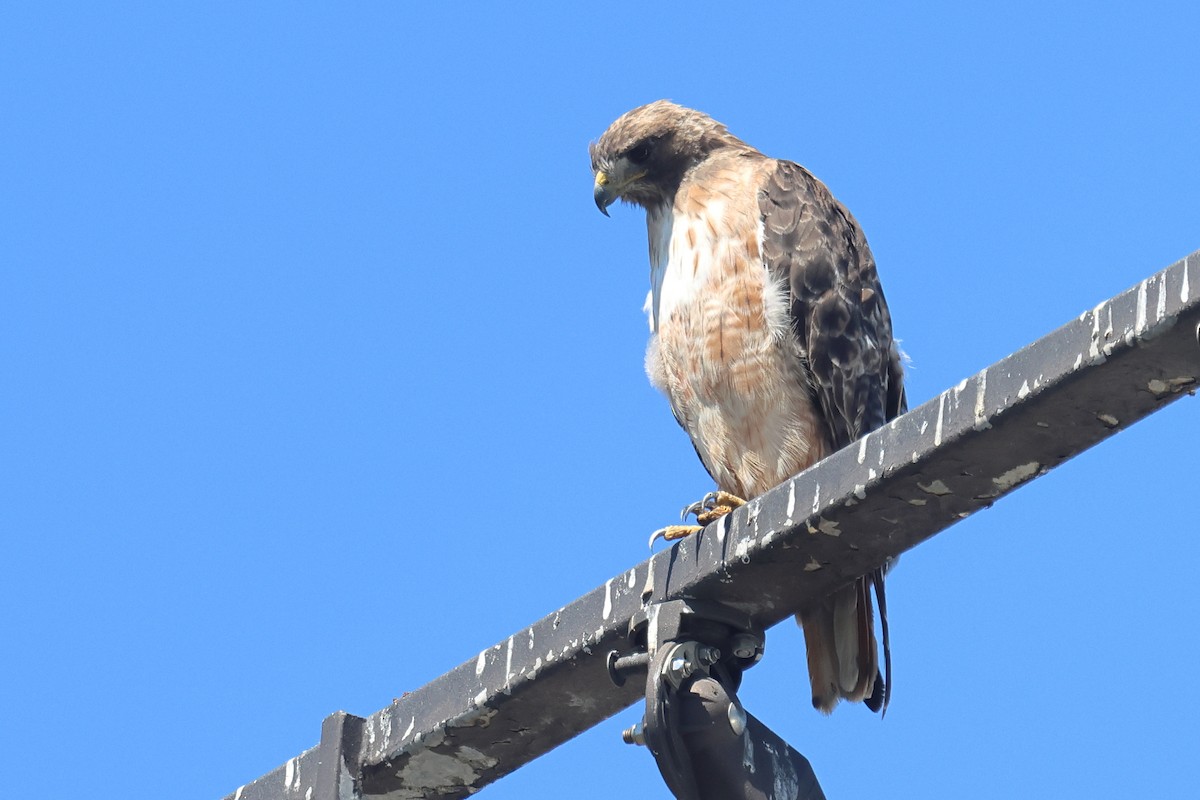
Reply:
x=769 y=335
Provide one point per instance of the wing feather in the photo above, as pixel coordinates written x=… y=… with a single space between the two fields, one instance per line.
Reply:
x=814 y=246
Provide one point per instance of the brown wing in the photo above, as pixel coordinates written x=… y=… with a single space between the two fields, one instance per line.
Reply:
x=813 y=245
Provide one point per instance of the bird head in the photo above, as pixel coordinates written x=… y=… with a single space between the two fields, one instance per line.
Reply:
x=645 y=153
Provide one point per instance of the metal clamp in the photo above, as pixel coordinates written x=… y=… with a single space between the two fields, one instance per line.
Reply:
x=705 y=743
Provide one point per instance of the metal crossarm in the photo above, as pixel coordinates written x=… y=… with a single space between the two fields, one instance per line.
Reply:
x=939 y=463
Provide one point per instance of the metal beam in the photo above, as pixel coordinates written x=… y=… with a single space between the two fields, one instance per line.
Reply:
x=939 y=463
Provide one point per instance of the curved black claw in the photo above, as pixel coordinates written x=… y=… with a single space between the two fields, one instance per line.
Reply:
x=706 y=503
x=672 y=532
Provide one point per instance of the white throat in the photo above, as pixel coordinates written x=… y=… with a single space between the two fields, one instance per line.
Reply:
x=659 y=223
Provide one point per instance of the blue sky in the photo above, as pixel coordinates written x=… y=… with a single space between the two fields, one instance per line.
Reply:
x=322 y=373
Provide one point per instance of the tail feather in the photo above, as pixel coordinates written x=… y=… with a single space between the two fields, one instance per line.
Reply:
x=886 y=688
x=819 y=642
x=843 y=658
x=848 y=637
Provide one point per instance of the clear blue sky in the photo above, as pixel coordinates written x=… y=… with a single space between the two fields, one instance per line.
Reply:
x=321 y=372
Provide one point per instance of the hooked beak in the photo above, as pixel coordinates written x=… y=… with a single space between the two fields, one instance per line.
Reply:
x=603 y=193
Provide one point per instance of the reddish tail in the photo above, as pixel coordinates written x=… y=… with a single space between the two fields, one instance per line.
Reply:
x=843 y=658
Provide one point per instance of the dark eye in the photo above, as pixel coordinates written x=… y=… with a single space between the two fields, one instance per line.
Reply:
x=640 y=153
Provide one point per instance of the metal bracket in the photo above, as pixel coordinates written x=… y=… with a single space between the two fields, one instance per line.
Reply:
x=338 y=763
x=705 y=744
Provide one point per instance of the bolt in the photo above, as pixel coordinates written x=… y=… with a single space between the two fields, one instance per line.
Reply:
x=620 y=666
x=681 y=665
x=737 y=719
x=709 y=655
x=634 y=735
x=744 y=646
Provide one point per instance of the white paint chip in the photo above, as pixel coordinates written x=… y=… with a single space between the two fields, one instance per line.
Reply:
x=981 y=421
x=937 y=432
x=1097 y=312
x=742 y=551
x=1140 y=320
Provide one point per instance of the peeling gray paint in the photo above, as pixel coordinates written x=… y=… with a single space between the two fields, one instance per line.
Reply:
x=1171 y=385
x=431 y=771
x=936 y=487
x=1016 y=475
x=828 y=527
x=787 y=783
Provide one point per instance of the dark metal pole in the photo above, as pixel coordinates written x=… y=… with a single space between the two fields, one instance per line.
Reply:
x=958 y=453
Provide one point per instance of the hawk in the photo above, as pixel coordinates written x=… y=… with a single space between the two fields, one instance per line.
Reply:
x=769 y=335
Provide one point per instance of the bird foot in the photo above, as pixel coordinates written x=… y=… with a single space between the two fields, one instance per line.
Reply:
x=712 y=506
x=672 y=532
